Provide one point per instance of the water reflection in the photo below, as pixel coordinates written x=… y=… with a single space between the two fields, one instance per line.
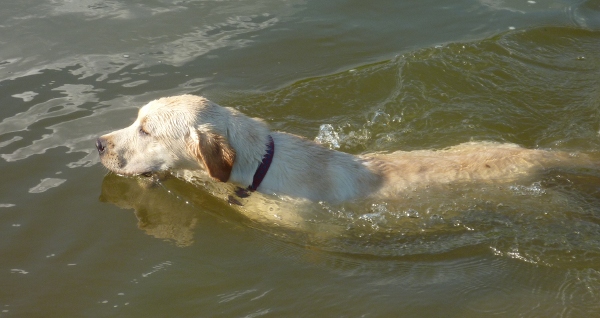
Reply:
x=549 y=220
x=388 y=249
x=159 y=213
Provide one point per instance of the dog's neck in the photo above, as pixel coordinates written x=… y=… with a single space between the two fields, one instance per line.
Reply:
x=299 y=167
x=263 y=168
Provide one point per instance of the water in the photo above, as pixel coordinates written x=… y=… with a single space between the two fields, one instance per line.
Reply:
x=357 y=76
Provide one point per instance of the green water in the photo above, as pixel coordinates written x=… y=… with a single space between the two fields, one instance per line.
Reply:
x=384 y=75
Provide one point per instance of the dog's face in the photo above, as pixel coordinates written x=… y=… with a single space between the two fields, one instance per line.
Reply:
x=179 y=132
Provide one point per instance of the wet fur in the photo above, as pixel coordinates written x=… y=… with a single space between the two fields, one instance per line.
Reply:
x=191 y=133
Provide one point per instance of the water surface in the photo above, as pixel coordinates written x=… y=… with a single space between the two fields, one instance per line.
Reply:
x=360 y=77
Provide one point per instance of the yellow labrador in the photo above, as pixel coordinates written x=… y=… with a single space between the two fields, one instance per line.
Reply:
x=191 y=133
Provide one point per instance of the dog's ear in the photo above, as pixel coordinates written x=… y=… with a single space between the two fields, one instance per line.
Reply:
x=215 y=152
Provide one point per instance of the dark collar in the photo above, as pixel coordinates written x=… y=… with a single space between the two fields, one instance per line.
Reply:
x=263 y=168
x=261 y=171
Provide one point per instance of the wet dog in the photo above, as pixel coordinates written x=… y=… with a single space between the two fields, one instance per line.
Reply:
x=192 y=133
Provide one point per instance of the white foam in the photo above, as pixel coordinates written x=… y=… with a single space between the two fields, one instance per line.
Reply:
x=328 y=136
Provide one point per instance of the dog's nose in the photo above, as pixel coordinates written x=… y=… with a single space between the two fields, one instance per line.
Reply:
x=101 y=145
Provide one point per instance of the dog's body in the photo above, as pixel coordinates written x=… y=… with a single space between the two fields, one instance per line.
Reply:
x=192 y=133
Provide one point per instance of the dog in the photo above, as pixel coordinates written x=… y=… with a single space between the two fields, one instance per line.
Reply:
x=192 y=133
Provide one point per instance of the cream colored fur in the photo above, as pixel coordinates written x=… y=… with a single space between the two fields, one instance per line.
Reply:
x=191 y=133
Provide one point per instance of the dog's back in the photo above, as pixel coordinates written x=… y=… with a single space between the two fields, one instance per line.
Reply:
x=472 y=162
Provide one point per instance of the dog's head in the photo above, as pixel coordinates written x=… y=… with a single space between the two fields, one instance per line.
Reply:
x=181 y=132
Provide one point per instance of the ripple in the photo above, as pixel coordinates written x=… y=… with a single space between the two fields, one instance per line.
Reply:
x=91 y=8
x=535 y=189
x=428 y=97
x=579 y=292
x=26 y=96
x=157 y=268
x=490 y=300
x=225 y=298
x=47 y=184
x=135 y=83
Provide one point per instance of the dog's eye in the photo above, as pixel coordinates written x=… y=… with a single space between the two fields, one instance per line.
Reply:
x=143 y=132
